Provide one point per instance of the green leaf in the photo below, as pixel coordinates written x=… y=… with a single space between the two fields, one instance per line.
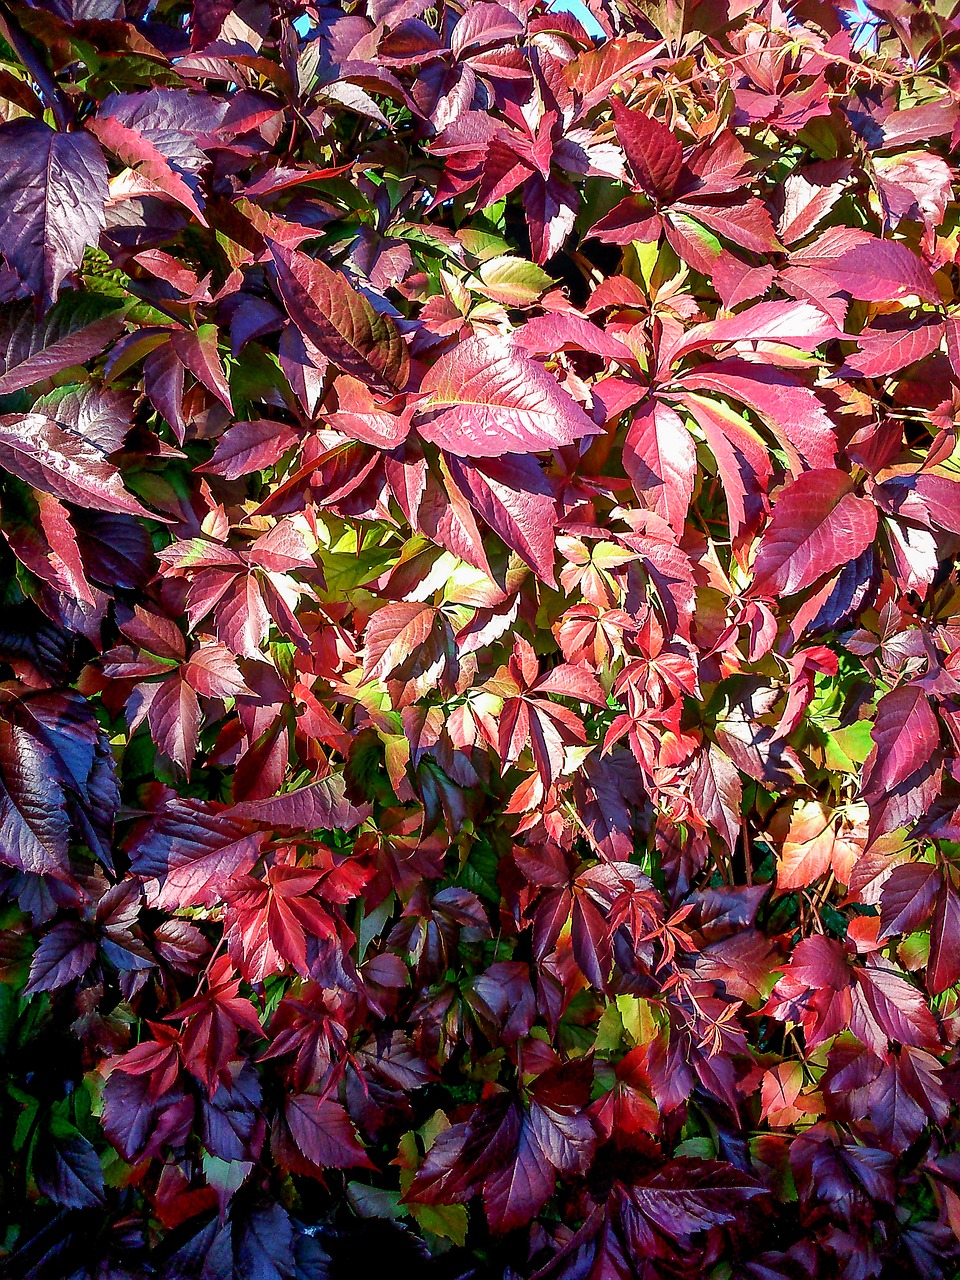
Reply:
x=513 y=281
x=448 y=1221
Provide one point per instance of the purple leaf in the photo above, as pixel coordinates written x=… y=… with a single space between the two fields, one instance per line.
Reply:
x=65 y=953
x=340 y=322
x=53 y=187
x=690 y=1195
x=160 y=132
x=75 y=330
x=320 y=805
x=57 y=780
x=189 y=850
x=68 y=1170
x=61 y=462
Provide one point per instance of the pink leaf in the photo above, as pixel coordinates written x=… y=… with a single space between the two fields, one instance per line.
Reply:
x=60 y=462
x=883 y=271
x=484 y=399
x=660 y=458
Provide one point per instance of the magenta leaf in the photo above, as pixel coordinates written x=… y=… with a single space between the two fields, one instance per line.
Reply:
x=882 y=270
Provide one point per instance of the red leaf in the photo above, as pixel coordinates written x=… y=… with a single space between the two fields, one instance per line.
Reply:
x=792 y=410
x=906 y=736
x=319 y=805
x=884 y=351
x=545 y=335
x=653 y=151
x=340 y=322
x=269 y=921
x=943 y=966
x=795 y=323
x=907 y=898
x=817 y=523
x=717 y=790
x=515 y=499
x=899 y=1008
x=394 y=633
x=464 y=1156
x=249 y=446
x=213 y=672
x=213 y=1020
x=173 y=714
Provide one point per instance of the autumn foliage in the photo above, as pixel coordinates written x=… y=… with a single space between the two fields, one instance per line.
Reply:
x=480 y=640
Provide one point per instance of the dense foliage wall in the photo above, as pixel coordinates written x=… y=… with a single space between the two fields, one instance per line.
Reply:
x=479 y=642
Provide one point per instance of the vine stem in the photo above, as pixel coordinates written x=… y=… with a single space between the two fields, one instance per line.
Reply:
x=51 y=92
x=747 y=863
